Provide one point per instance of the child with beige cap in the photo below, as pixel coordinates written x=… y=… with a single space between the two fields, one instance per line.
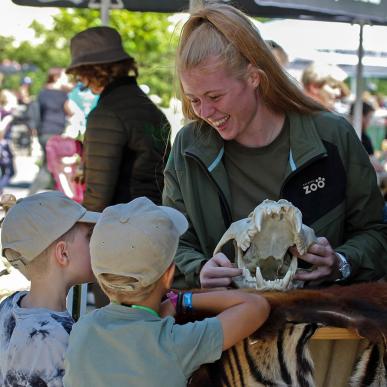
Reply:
x=46 y=236
x=134 y=340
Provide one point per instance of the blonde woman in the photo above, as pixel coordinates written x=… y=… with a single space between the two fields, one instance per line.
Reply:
x=254 y=135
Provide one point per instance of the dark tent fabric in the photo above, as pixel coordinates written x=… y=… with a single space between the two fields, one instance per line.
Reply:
x=132 y=5
x=370 y=11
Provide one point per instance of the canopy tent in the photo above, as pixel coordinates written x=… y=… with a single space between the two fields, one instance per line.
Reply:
x=354 y=11
x=132 y=5
x=372 y=11
x=328 y=42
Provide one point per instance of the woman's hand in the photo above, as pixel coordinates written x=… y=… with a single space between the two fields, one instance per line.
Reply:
x=324 y=260
x=218 y=272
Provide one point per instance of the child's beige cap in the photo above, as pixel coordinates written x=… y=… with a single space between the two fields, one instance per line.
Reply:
x=36 y=221
x=136 y=239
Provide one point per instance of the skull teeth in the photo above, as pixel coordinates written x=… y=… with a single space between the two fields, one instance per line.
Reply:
x=284 y=283
x=290 y=273
x=258 y=220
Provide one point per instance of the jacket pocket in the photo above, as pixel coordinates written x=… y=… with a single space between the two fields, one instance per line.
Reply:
x=331 y=225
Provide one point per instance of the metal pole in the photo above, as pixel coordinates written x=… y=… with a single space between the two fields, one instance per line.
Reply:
x=105 y=5
x=195 y=4
x=358 y=109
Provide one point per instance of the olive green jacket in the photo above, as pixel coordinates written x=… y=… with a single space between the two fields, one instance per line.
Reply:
x=329 y=178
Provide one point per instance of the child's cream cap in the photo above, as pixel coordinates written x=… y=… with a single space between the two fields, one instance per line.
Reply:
x=137 y=239
x=36 y=221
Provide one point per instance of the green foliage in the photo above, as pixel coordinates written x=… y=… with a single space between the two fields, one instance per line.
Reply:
x=5 y=45
x=146 y=36
x=381 y=85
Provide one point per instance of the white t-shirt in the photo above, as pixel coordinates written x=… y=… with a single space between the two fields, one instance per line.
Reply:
x=32 y=344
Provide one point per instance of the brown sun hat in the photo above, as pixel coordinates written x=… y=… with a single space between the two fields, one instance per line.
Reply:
x=96 y=45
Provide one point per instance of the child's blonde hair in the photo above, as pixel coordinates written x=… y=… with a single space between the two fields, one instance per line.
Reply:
x=118 y=288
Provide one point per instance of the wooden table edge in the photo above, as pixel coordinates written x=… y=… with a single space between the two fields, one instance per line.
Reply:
x=332 y=333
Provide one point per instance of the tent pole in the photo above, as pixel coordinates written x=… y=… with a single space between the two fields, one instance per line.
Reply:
x=358 y=109
x=105 y=5
x=194 y=4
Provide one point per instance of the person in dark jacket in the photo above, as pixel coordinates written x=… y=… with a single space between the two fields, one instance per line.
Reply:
x=127 y=136
x=254 y=135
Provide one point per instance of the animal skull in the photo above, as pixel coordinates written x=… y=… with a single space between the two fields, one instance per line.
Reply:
x=261 y=244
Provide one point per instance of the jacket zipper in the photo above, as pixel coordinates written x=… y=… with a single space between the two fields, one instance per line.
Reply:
x=296 y=171
x=226 y=212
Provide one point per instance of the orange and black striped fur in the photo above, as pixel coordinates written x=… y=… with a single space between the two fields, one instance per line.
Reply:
x=277 y=354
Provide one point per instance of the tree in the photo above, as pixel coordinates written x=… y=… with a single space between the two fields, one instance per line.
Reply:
x=146 y=36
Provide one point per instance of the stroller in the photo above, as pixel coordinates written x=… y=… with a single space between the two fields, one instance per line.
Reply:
x=64 y=161
x=64 y=156
x=20 y=132
x=7 y=169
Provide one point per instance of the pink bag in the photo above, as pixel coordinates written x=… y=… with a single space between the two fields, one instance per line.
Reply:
x=64 y=156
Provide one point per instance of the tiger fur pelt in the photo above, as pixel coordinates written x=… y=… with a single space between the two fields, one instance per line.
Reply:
x=278 y=355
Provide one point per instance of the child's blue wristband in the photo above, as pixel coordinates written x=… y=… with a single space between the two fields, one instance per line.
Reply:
x=187 y=302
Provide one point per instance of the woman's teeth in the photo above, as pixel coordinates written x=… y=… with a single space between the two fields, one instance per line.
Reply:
x=220 y=122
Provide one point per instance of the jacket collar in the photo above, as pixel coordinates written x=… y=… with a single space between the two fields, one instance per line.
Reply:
x=305 y=143
x=208 y=147
x=206 y=144
x=123 y=81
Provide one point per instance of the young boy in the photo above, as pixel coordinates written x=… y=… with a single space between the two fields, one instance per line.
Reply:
x=131 y=341
x=46 y=236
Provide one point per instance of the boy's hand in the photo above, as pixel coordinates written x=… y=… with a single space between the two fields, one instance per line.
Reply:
x=167 y=309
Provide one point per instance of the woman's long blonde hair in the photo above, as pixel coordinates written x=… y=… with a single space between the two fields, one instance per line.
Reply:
x=222 y=31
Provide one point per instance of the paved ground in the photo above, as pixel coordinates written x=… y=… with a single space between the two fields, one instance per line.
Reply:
x=26 y=170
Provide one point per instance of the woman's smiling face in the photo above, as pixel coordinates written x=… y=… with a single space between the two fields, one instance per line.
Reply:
x=225 y=102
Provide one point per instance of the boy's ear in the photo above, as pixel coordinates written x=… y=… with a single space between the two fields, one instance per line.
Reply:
x=168 y=275
x=61 y=254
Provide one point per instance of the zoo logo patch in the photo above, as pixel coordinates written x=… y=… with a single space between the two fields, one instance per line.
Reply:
x=314 y=185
